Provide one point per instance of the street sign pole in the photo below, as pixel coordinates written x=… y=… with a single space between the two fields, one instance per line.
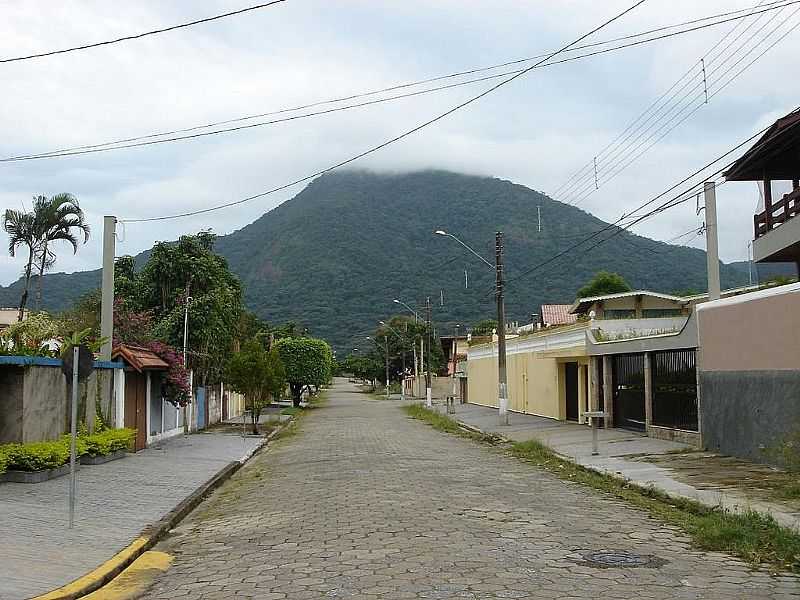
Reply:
x=73 y=433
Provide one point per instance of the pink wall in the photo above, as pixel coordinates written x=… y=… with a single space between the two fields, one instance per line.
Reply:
x=752 y=332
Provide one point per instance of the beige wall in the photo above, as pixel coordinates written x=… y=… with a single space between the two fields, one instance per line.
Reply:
x=535 y=382
x=741 y=334
x=630 y=303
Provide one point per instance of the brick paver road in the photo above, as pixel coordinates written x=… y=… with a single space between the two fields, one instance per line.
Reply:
x=365 y=503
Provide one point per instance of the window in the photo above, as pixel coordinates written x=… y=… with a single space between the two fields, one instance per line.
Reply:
x=619 y=313
x=656 y=313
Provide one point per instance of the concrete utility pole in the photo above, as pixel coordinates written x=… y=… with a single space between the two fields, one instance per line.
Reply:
x=107 y=290
x=455 y=361
x=501 y=331
x=428 y=390
x=421 y=364
x=402 y=356
x=502 y=395
x=386 y=339
x=712 y=244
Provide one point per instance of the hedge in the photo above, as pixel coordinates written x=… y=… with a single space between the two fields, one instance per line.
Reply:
x=41 y=456
x=108 y=441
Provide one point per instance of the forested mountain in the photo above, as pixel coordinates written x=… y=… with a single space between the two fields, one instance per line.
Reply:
x=333 y=257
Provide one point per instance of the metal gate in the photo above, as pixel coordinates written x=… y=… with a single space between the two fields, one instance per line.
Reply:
x=675 y=389
x=628 y=386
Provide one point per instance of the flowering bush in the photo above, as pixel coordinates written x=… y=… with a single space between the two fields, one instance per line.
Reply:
x=176 y=387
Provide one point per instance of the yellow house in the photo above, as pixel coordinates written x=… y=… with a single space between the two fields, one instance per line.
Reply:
x=548 y=373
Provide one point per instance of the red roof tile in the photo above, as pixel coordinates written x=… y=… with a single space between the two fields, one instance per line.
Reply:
x=139 y=358
x=557 y=314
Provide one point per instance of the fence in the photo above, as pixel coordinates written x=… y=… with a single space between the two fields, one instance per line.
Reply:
x=675 y=389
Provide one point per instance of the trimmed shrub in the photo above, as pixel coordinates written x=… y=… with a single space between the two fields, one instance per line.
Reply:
x=3 y=460
x=109 y=441
x=36 y=456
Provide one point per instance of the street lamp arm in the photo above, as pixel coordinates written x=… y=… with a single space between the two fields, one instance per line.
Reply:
x=450 y=235
x=416 y=314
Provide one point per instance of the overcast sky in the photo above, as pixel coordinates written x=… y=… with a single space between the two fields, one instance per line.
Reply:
x=535 y=131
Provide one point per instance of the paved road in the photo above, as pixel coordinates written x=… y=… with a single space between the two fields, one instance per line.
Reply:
x=116 y=501
x=365 y=503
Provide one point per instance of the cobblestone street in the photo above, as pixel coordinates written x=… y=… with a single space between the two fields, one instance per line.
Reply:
x=366 y=503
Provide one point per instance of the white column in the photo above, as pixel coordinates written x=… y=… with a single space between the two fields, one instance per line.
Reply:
x=712 y=244
x=119 y=397
x=147 y=406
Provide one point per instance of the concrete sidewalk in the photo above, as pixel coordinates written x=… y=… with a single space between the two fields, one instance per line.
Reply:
x=116 y=501
x=624 y=454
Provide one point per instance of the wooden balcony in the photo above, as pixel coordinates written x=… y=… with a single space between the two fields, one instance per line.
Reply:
x=777 y=213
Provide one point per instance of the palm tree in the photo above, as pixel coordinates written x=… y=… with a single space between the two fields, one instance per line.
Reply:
x=56 y=219
x=22 y=231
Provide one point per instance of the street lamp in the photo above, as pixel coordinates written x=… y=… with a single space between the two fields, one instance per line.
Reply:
x=416 y=314
x=501 y=319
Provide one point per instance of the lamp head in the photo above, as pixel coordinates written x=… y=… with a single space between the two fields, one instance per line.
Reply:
x=440 y=232
x=396 y=301
x=381 y=323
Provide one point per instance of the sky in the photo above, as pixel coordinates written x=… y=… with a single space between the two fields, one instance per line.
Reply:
x=537 y=131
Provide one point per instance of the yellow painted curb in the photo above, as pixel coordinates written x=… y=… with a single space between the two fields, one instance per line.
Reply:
x=135 y=579
x=96 y=578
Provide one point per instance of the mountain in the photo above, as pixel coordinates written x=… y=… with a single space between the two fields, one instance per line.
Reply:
x=763 y=271
x=333 y=257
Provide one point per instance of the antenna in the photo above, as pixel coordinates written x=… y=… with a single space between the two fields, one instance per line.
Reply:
x=441 y=297
x=596 y=186
x=539 y=217
x=466 y=280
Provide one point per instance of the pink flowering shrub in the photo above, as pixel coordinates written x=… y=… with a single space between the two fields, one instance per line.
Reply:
x=176 y=381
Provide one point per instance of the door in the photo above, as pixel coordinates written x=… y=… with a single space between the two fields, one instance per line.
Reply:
x=225 y=406
x=135 y=416
x=200 y=406
x=571 y=390
x=628 y=386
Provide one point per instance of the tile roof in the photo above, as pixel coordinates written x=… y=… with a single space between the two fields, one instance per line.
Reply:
x=139 y=358
x=557 y=314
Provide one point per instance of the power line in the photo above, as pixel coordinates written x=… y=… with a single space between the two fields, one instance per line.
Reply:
x=673 y=201
x=143 y=34
x=397 y=138
x=147 y=140
x=584 y=185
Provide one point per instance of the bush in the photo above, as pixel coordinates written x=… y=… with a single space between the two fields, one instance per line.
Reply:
x=108 y=441
x=36 y=456
x=3 y=461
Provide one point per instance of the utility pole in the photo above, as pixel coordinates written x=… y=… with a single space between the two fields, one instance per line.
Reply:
x=386 y=339
x=539 y=217
x=107 y=291
x=455 y=361
x=428 y=391
x=421 y=364
x=749 y=263
x=712 y=244
x=501 y=331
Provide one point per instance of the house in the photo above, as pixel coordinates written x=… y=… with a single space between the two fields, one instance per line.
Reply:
x=774 y=162
x=547 y=372
x=642 y=346
x=630 y=354
x=748 y=368
x=8 y=316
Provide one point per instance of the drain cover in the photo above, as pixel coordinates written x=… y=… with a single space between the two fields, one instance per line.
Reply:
x=621 y=558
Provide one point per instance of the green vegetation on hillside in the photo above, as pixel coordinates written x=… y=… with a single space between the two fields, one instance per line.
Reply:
x=335 y=256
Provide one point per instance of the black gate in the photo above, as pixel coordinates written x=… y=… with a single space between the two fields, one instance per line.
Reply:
x=628 y=385
x=571 y=390
x=675 y=389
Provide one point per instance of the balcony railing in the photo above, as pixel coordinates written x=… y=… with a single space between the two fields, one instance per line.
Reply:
x=781 y=211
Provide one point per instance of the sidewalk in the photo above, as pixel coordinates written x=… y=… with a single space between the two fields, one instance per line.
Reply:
x=642 y=460
x=116 y=501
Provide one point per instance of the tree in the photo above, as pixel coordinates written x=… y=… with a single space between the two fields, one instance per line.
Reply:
x=603 y=283
x=257 y=374
x=307 y=362
x=173 y=273
x=59 y=218
x=485 y=327
x=21 y=228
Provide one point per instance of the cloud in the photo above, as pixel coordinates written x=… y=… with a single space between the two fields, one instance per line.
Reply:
x=536 y=131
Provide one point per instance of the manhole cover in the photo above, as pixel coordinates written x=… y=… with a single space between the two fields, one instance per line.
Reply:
x=621 y=558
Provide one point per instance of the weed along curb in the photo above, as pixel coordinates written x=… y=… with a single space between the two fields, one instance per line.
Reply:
x=106 y=572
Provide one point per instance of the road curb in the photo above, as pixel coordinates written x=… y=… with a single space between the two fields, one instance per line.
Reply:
x=151 y=534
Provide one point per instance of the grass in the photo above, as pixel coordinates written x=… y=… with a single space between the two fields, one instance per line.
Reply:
x=291 y=410
x=751 y=536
